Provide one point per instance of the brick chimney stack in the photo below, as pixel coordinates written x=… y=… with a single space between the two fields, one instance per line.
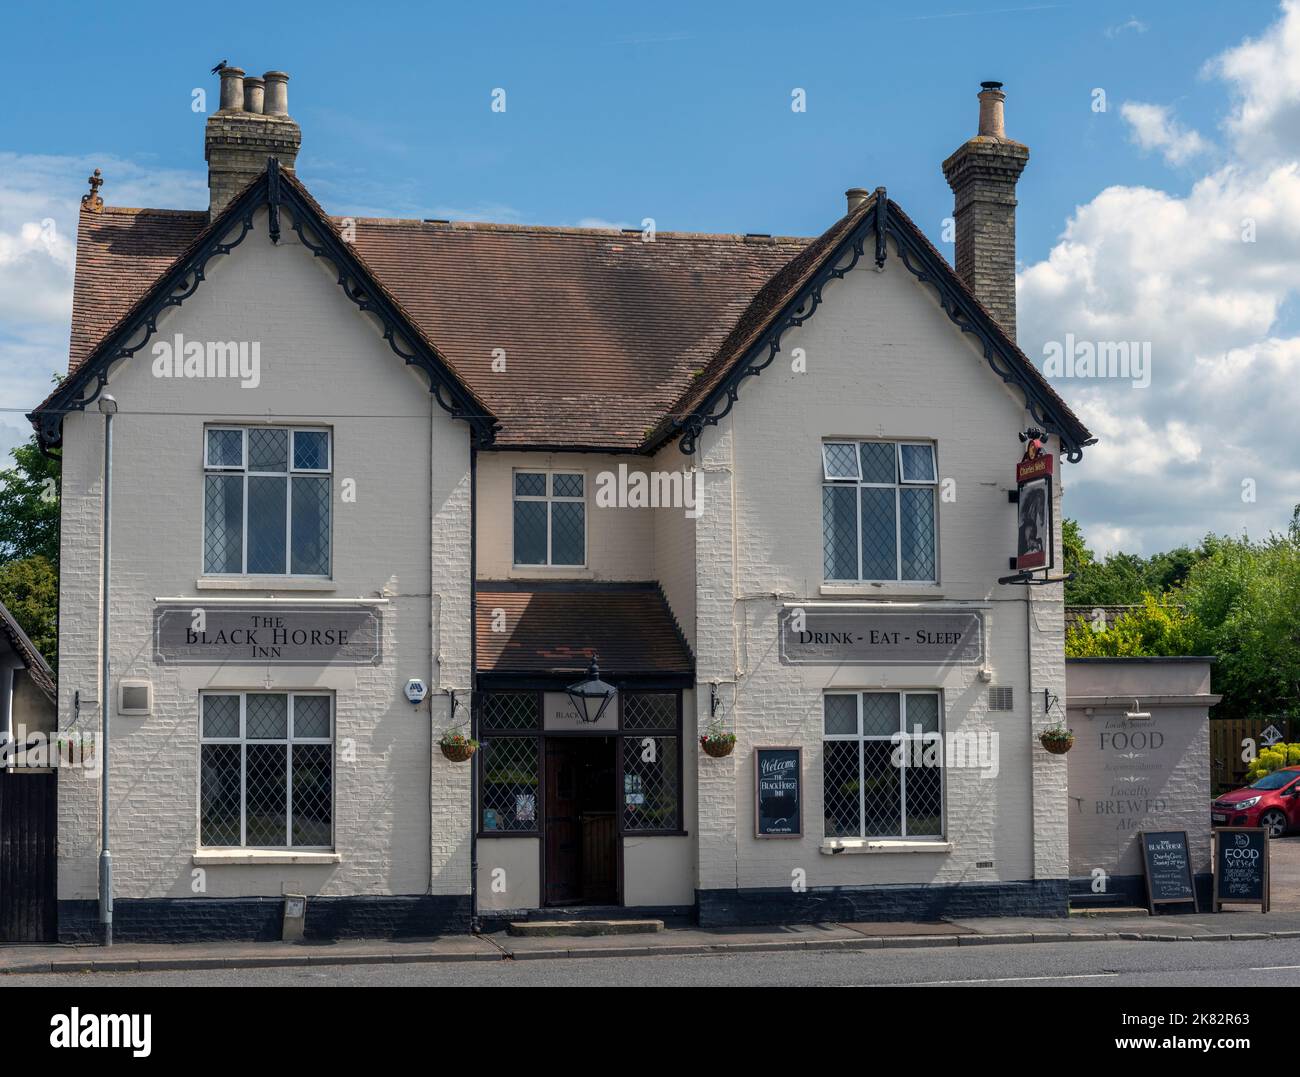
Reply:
x=982 y=174
x=251 y=125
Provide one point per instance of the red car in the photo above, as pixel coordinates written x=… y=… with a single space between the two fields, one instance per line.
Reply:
x=1272 y=802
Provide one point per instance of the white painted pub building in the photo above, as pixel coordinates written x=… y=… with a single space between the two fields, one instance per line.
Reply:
x=351 y=454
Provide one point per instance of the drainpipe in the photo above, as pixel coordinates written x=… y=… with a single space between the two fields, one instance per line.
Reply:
x=475 y=924
x=108 y=406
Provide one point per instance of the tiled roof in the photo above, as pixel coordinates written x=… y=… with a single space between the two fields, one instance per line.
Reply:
x=37 y=668
x=120 y=253
x=605 y=338
x=558 y=626
x=601 y=331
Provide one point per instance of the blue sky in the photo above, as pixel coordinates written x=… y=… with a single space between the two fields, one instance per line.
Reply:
x=681 y=112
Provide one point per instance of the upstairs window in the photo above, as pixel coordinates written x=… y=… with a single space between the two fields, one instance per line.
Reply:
x=266 y=501
x=550 y=518
x=878 y=511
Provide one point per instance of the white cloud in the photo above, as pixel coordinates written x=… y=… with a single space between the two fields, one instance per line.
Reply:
x=1153 y=127
x=1264 y=75
x=1210 y=279
x=40 y=199
x=1132 y=23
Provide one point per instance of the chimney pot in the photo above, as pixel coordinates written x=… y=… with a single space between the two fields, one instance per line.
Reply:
x=856 y=196
x=238 y=139
x=254 y=94
x=232 y=89
x=992 y=119
x=277 y=93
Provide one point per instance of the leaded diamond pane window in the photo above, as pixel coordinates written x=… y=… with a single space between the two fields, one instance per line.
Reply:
x=840 y=460
x=510 y=710
x=878 y=781
x=568 y=529
x=266 y=770
x=879 y=533
x=268 y=449
x=266 y=503
x=225 y=448
x=879 y=517
x=509 y=784
x=223 y=523
x=311 y=526
x=267 y=717
x=311 y=450
x=266 y=518
x=840 y=532
x=649 y=710
x=220 y=818
x=550 y=518
x=651 y=783
x=916 y=530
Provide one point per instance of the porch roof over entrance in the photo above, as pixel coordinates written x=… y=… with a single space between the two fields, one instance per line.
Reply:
x=556 y=627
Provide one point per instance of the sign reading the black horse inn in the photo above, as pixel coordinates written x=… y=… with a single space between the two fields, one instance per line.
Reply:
x=824 y=637
x=198 y=635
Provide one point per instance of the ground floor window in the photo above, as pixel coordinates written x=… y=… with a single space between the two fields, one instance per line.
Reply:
x=266 y=762
x=647 y=750
x=874 y=785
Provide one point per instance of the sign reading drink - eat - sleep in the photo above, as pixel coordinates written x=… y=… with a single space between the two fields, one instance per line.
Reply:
x=822 y=637
x=198 y=635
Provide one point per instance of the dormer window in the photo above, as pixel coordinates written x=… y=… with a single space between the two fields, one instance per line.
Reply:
x=878 y=511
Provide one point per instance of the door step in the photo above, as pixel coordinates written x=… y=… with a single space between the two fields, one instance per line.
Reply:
x=1108 y=910
x=584 y=928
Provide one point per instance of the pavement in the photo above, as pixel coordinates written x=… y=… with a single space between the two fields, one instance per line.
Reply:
x=1231 y=925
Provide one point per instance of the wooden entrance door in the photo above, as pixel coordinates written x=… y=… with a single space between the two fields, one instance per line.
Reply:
x=581 y=838
x=28 y=823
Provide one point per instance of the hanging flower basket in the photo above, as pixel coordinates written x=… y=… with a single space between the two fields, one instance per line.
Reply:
x=457 y=747
x=718 y=743
x=75 y=747
x=1058 y=740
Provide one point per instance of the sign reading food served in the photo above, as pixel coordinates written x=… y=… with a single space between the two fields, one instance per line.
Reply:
x=778 y=775
x=1241 y=867
x=826 y=637
x=198 y=635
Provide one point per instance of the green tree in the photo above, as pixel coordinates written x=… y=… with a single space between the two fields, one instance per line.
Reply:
x=29 y=506
x=1157 y=627
x=29 y=588
x=1245 y=598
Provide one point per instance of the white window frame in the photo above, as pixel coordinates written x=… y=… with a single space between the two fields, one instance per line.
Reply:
x=243 y=469
x=897 y=486
x=243 y=741
x=551 y=499
x=858 y=738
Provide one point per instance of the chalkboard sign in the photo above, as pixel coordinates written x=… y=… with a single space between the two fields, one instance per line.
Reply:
x=1168 y=868
x=1241 y=867
x=778 y=796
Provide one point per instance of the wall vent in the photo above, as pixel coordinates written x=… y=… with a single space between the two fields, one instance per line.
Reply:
x=1000 y=698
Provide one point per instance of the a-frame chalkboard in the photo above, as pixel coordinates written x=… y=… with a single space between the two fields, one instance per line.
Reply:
x=1167 y=865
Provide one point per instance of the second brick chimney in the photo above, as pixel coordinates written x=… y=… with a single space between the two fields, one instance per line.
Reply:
x=982 y=174
x=252 y=124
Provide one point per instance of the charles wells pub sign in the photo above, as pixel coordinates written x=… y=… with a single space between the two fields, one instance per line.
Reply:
x=1034 y=474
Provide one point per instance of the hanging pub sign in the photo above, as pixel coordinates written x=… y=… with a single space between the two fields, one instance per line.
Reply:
x=1034 y=543
x=778 y=804
x=1241 y=866
x=1168 y=868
